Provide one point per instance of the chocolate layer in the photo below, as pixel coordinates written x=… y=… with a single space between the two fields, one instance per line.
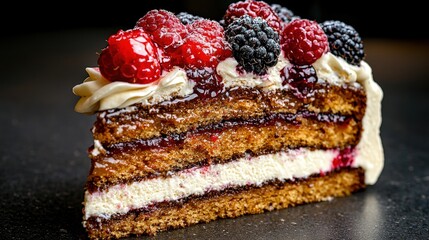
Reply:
x=232 y=202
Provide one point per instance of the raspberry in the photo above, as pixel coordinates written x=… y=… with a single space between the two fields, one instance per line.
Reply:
x=187 y=18
x=203 y=49
x=254 y=44
x=303 y=41
x=167 y=61
x=130 y=57
x=207 y=82
x=212 y=30
x=301 y=78
x=165 y=29
x=253 y=9
x=205 y=46
x=344 y=41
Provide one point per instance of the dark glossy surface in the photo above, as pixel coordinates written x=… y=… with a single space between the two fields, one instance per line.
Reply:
x=43 y=146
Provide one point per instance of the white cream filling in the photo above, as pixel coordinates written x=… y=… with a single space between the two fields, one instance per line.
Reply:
x=287 y=165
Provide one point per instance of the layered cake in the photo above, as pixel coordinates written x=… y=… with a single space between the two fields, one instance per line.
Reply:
x=198 y=120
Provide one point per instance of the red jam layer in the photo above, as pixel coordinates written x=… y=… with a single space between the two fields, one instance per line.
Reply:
x=178 y=139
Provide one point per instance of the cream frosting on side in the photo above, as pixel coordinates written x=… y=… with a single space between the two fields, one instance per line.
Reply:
x=336 y=70
x=370 y=148
x=99 y=94
x=289 y=165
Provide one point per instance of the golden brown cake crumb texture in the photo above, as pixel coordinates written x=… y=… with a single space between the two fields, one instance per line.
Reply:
x=221 y=147
x=248 y=201
x=224 y=145
x=153 y=121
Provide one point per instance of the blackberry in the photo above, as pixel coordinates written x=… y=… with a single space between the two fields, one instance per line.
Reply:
x=301 y=78
x=285 y=14
x=255 y=45
x=344 y=41
x=187 y=18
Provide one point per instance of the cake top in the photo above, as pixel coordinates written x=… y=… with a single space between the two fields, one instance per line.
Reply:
x=166 y=56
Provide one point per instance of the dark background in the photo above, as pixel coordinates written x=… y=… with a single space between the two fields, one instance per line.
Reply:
x=43 y=163
x=406 y=20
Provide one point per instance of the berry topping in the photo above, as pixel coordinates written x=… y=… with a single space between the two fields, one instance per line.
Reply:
x=344 y=41
x=205 y=46
x=187 y=18
x=253 y=9
x=303 y=41
x=168 y=61
x=130 y=57
x=203 y=49
x=300 y=78
x=208 y=83
x=255 y=45
x=284 y=14
x=165 y=29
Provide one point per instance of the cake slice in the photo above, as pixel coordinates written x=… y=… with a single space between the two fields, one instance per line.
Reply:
x=197 y=121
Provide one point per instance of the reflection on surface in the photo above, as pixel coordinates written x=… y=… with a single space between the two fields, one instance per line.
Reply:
x=359 y=216
x=369 y=221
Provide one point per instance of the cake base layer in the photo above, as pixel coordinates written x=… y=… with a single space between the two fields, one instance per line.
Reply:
x=228 y=204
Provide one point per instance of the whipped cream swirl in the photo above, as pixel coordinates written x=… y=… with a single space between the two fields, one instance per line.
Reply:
x=98 y=93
